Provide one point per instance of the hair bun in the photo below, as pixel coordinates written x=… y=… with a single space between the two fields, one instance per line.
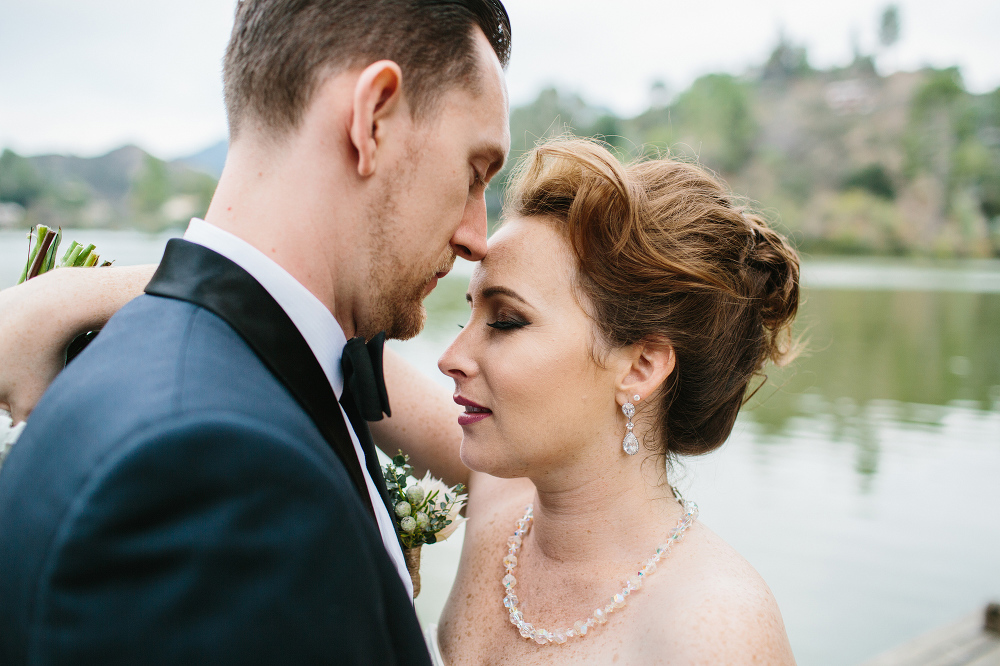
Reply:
x=778 y=290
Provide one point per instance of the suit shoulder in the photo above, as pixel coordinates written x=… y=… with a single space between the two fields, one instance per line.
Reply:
x=225 y=442
x=217 y=510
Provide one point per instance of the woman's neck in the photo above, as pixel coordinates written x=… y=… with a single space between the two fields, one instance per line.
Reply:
x=604 y=512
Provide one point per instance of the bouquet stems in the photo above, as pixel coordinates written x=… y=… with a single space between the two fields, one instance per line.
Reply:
x=43 y=246
x=412 y=556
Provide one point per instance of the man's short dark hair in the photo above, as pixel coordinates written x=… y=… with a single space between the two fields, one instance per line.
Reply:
x=280 y=50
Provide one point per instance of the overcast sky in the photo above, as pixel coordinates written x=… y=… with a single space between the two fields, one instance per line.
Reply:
x=86 y=76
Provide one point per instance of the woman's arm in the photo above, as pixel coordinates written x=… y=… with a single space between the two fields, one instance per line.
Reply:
x=38 y=320
x=424 y=422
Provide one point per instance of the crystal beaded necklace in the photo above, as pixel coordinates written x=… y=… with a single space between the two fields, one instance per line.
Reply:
x=600 y=615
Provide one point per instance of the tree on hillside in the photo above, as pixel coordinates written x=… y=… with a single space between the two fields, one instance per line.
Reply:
x=20 y=182
x=787 y=61
x=715 y=117
x=888 y=29
x=151 y=187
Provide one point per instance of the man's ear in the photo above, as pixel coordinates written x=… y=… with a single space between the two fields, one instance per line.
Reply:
x=652 y=361
x=377 y=95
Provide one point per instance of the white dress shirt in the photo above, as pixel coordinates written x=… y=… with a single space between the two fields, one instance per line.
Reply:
x=322 y=333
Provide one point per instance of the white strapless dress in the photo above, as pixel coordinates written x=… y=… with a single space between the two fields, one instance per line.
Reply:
x=431 y=635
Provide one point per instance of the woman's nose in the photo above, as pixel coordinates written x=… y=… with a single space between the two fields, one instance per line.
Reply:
x=455 y=361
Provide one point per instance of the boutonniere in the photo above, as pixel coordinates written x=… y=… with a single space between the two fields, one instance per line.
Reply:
x=8 y=434
x=427 y=511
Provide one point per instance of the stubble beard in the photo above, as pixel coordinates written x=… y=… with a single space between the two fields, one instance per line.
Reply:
x=395 y=287
x=396 y=299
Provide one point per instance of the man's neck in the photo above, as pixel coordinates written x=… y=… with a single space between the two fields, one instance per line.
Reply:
x=269 y=201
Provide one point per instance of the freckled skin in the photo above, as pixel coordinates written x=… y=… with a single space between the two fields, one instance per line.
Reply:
x=554 y=439
x=704 y=605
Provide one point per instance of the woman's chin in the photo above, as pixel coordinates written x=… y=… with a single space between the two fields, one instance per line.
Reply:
x=480 y=457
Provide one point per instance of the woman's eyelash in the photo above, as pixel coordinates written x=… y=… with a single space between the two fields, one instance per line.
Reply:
x=507 y=324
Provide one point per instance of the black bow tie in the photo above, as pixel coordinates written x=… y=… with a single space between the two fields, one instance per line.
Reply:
x=363 y=380
x=365 y=399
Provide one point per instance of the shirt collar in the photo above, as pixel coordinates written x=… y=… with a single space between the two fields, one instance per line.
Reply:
x=314 y=320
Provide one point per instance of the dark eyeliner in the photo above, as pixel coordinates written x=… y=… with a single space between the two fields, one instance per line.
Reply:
x=507 y=324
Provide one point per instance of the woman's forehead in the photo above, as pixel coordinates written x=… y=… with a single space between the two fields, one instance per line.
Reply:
x=530 y=252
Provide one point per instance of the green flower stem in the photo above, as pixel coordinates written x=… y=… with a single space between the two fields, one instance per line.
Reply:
x=44 y=245
x=84 y=255
x=69 y=257
x=40 y=231
x=43 y=248
x=50 y=257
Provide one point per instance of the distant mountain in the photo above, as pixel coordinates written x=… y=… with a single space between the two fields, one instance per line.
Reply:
x=210 y=160
x=126 y=188
x=108 y=176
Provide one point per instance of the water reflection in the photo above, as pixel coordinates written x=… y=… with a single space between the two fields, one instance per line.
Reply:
x=875 y=458
x=921 y=348
x=877 y=357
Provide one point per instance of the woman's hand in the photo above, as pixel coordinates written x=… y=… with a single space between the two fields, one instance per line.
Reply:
x=38 y=320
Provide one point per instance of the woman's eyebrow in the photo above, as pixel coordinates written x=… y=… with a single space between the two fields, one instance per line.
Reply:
x=490 y=292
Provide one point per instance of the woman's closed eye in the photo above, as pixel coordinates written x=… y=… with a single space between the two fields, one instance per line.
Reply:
x=507 y=323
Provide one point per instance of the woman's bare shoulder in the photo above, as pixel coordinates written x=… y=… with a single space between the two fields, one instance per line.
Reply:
x=715 y=608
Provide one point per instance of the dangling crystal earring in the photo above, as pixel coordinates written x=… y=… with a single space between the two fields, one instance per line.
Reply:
x=630 y=444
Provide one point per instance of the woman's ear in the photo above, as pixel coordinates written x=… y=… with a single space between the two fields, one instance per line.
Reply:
x=652 y=361
x=377 y=95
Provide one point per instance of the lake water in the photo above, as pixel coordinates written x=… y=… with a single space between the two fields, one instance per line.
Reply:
x=864 y=482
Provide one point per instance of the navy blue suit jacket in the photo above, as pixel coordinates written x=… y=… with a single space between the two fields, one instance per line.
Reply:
x=173 y=500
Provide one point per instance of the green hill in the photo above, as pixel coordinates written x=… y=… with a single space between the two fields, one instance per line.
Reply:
x=127 y=188
x=845 y=160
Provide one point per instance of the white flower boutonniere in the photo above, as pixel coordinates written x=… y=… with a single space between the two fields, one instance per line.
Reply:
x=427 y=511
x=8 y=434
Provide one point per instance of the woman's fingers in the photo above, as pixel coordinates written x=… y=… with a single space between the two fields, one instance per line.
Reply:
x=32 y=351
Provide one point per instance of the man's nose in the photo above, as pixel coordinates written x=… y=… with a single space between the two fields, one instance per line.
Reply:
x=469 y=240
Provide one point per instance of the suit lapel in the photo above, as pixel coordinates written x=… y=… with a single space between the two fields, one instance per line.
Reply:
x=192 y=273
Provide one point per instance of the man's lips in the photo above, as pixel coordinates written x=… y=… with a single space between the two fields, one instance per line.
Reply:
x=434 y=280
x=473 y=412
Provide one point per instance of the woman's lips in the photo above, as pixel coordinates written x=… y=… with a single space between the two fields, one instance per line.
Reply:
x=473 y=411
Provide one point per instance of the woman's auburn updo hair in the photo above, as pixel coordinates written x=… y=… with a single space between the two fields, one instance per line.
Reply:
x=667 y=255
